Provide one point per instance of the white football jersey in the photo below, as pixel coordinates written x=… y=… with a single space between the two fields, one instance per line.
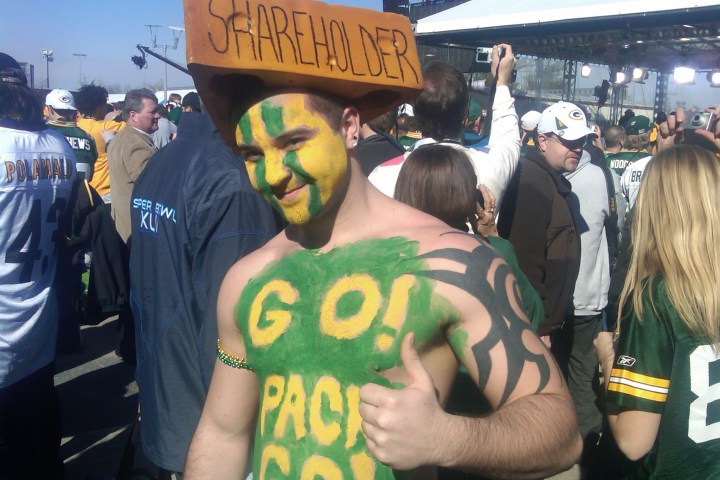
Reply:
x=38 y=169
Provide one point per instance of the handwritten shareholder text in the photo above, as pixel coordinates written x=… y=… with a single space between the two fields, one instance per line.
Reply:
x=269 y=34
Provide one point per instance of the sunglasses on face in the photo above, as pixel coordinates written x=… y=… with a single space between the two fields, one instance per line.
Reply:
x=570 y=144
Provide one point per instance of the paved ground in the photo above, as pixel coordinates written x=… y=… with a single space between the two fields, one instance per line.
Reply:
x=98 y=397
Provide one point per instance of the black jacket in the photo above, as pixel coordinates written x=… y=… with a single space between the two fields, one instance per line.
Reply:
x=377 y=149
x=87 y=226
x=537 y=219
x=193 y=214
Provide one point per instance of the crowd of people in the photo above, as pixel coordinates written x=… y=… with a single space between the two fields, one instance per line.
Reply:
x=399 y=284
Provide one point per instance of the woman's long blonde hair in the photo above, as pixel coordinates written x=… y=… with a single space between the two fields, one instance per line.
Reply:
x=675 y=235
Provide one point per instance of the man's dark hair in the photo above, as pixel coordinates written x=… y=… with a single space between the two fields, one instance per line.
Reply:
x=162 y=111
x=20 y=105
x=242 y=91
x=441 y=181
x=89 y=97
x=192 y=100
x=133 y=101
x=614 y=134
x=17 y=102
x=402 y=122
x=442 y=105
x=626 y=117
x=407 y=123
x=329 y=106
x=385 y=122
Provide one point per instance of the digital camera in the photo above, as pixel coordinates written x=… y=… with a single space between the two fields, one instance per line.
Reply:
x=702 y=121
x=483 y=54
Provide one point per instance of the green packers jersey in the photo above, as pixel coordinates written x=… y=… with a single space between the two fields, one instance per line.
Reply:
x=619 y=161
x=661 y=368
x=82 y=144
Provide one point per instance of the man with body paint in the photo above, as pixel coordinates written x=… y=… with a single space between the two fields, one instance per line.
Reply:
x=340 y=338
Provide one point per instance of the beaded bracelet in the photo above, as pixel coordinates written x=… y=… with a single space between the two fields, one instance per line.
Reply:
x=230 y=359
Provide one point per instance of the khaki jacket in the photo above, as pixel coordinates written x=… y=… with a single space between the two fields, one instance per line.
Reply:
x=128 y=154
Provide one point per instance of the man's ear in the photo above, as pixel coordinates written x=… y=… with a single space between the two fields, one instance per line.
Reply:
x=350 y=126
x=541 y=142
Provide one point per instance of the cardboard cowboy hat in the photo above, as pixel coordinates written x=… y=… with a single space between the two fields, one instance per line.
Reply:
x=239 y=51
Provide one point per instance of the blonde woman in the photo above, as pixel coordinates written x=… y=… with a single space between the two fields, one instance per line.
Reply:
x=663 y=372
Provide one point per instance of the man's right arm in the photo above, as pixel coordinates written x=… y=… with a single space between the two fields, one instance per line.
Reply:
x=504 y=142
x=221 y=444
x=504 y=130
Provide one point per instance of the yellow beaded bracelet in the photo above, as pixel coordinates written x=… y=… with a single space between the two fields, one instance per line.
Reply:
x=230 y=359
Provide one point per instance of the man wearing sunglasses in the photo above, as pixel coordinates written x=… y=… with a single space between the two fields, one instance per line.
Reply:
x=537 y=215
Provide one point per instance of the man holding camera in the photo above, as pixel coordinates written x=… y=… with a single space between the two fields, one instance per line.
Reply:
x=442 y=108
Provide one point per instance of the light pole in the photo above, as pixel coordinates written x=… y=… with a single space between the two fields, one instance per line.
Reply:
x=80 y=55
x=176 y=32
x=48 y=56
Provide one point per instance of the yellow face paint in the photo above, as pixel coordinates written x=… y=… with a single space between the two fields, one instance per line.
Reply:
x=300 y=159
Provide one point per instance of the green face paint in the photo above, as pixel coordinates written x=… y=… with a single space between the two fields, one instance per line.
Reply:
x=245 y=129
x=316 y=328
x=298 y=176
x=272 y=117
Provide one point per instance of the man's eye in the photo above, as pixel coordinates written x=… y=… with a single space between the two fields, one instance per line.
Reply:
x=252 y=156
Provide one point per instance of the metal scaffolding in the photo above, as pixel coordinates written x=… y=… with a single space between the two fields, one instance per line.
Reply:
x=569 y=74
x=661 y=89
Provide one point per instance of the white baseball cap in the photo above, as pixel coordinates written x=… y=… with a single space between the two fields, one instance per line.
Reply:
x=60 y=99
x=530 y=120
x=407 y=109
x=565 y=120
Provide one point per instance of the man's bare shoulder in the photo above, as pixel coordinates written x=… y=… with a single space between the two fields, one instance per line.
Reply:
x=254 y=262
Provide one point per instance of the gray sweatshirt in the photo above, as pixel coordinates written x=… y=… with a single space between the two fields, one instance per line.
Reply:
x=591 y=208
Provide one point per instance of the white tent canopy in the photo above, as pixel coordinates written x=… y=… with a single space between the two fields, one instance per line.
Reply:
x=488 y=14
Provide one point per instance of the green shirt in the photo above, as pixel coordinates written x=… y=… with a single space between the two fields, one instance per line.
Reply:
x=619 y=161
x=407 y=142
x=531 y=301
x=82 y=144
x=174 y=115
x=661 y=367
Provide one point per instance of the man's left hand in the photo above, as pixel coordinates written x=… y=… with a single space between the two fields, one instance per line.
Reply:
x=502 y=67
x=403 y=427
x=672 y=130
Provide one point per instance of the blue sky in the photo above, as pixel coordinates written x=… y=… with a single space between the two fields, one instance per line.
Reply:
x=106 y=31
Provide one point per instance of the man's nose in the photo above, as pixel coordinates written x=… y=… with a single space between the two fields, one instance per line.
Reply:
x=276 y=172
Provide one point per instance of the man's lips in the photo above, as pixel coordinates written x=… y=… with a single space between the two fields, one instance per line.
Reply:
x=282 y=194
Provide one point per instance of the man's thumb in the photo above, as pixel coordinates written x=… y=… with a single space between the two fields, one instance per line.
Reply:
x=418 y=376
